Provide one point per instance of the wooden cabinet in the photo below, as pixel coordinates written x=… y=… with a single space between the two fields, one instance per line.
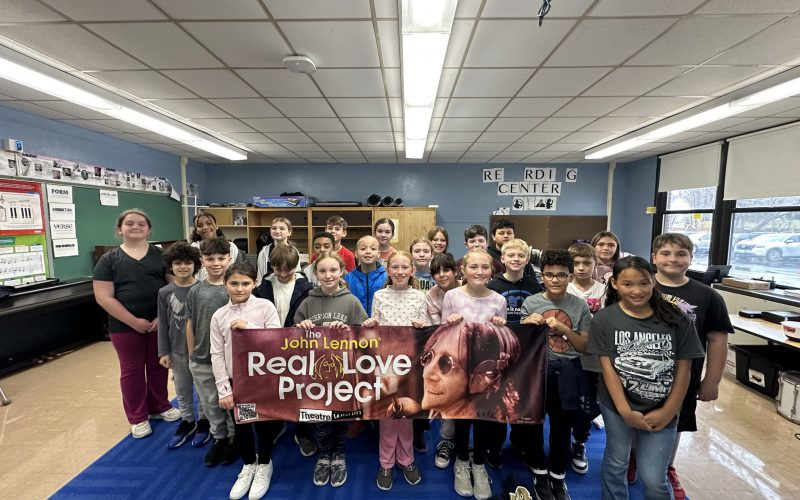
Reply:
x=409 y=223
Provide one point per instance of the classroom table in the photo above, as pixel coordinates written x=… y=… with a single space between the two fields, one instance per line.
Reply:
x=766 y=330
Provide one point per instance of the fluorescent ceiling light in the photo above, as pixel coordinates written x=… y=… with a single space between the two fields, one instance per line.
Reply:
x=752 y=101
x=48 y=85
x=425 y=27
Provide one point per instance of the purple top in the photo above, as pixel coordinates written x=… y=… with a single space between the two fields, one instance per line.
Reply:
x=473 y=309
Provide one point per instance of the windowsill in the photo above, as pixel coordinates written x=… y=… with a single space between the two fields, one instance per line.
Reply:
x=775 y=295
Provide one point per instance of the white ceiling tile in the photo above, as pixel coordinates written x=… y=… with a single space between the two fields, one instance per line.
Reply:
x=487 y=147
x=446 y=82
x=477 y=156
x=25 y=11
x=247 y=108
x=72 y=45
x=190 y=108
x=468 y=8
x=592 y=106
x=513 y=124
x=390 y=41
x=107 y=10
x=634 y=81
x=332 y=137
x=396 y=107
x=37 y=110
x=380 y=147
x=500 y=136
x=305 y=107
x=90 y=125
x=695 y=39
x=367 y=124
x=475 y=107
x=439 y=107
x=385 y=8
x=288 y=137
x=334 y=43
x=242 y=44
x=544 y=155
x=749 y=7
x=319 y=124
x=654 y=106
x=248 y=137
x=776 y=45
x=338 y=146
x=394 y=82
x=758 y=124
x=616 y=123
x=526 y=8
x=128 y=137
x=561 y=81
x=144 y=84
x=782 y=106
x=124 y=126
x=268 y=149
x=533 y=106
x=464 y=124
x=271 y=124
x=562 y=124
x=318 y=9
x=607 y=42
x=360 y=137
x=360 y=107
x=153 y=138
x=365 y=82
x=380 y=157
x=160 y=45
x=459 y=39
x=498 y=82
x=705 y=80
x=497 y=42
x=279 y=83
x=305 y=148
x=510 y=156
x=212 y=9
x=644 y=7
x=71 y=109
x=457 y=136
x=223 y=125
x=212 y=83
x=17 y=91
x=584 y=137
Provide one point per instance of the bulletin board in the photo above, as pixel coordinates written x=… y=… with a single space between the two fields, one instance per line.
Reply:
x=23 y=249
x=96 y=223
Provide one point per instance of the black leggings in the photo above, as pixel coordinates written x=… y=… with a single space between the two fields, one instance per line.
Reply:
x=257 y=436
x=479 y=436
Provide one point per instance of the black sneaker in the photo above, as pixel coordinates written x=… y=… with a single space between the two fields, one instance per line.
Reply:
x=494 y=459
x=559 y=489
x=184 y=432
x=420 y=446
x=579 y=462
x=541 y=487
x=307 y=445
x=214 y=454
x=231 y=453
x=203 y=433
x=445 y=450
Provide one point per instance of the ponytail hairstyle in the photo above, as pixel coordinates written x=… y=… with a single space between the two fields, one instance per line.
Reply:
x=662 y=309
x=412 y=281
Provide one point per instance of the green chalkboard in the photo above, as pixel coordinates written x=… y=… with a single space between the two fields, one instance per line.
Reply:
x=95 y=225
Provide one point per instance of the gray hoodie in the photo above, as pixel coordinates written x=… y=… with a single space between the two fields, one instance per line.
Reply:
x=322 y=308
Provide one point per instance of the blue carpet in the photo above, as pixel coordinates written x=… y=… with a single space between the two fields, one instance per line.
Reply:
x=145 y=468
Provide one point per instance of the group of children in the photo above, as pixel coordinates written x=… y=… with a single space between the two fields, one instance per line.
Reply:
x=623 y=342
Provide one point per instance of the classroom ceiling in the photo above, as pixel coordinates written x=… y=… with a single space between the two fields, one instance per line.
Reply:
x=511 y=91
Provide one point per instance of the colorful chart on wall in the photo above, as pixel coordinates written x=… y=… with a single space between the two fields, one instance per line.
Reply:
x=23 y=249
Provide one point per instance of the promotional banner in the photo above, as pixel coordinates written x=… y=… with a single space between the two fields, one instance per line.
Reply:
x=468 y=370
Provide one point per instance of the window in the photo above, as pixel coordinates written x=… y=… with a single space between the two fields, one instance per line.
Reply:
x=691 y=212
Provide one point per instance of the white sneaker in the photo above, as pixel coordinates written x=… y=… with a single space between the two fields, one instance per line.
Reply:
x=243 y=481
x=462 y=482
x=261 y=481
x=140 y=430
x=598 y=422
x=480 y=478
x=170 y=415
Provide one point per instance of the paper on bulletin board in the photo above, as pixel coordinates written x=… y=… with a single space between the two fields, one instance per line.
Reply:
x=65 y=248
x=109 y=198
x=58 y=193
x=62 y=229
x=22 y=259
x=62 y=211
x=20 y=207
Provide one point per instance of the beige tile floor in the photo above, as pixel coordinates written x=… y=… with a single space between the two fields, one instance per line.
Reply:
x=68 y=412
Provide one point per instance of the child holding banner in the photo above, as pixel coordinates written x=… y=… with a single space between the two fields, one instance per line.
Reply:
x=244 y=311
x=399 y=304
x=330 y=300
x=646 y=347
x=473 y=303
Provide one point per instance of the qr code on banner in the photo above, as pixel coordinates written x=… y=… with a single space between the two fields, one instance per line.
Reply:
x=247 y=411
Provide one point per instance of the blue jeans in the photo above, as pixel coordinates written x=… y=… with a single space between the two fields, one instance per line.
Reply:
x=653 y=452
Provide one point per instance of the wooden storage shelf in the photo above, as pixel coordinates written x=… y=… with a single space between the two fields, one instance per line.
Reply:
x=409 y=222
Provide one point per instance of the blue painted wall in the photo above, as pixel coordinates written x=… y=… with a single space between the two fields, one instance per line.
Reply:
x=462 y=197
x=633 y=192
